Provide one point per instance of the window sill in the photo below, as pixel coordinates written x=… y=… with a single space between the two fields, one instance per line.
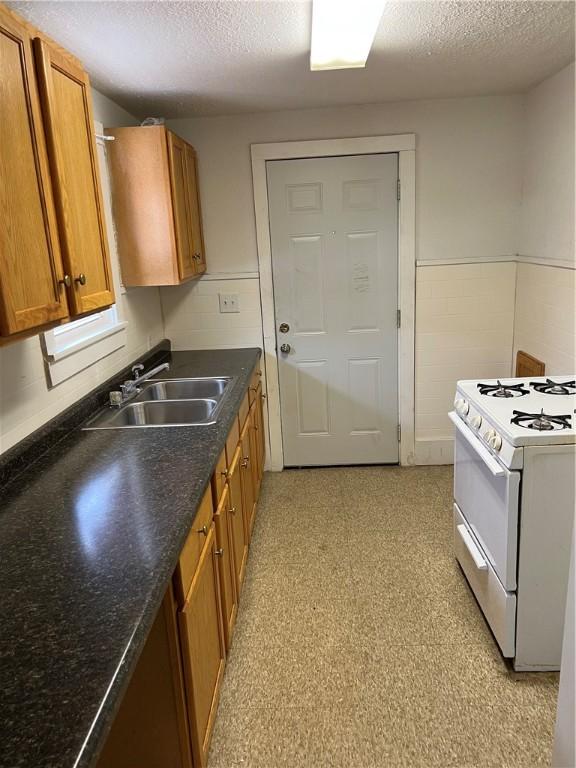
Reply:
x=70 y=361
x=89 y=341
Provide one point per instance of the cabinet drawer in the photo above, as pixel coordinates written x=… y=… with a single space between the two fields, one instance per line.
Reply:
x=190 y=555
x=219 y=478
x=498 y=605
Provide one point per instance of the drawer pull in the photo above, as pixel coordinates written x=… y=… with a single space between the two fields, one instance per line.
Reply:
x=473 y=550
x=203 y=530
x=219 y=552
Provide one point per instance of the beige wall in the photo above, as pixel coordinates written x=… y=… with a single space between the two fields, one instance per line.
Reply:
x=547 y=220
x=26 y=402
x=468 y=171
x=546 y=295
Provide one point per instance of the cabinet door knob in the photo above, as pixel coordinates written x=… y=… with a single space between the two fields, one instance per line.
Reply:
x=81 y=279
x=219 y=552
x=232 y=510
x=245 y=461
x=225 y=474
x=203 y=530
x=66 y=280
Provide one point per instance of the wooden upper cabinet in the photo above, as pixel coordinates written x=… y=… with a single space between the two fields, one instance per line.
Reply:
x=30 y=261
x=156 y=206
x=69 y=126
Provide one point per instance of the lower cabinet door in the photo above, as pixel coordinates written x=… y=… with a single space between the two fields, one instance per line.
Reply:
x=203 y=649
x=236 y=513
x=246 y=477
x=226 y=569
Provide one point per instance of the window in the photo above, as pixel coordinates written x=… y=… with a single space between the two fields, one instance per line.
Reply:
x=72 y=347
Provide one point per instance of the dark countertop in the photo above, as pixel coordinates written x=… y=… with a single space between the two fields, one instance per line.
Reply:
x=90 y=535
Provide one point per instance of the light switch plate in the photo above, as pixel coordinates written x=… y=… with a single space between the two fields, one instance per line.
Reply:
x=229 y=302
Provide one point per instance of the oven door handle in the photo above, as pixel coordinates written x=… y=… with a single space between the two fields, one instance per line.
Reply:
x=493 y=465
x=472 y=548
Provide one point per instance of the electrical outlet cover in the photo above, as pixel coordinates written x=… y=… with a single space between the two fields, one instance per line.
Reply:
x=228 y=302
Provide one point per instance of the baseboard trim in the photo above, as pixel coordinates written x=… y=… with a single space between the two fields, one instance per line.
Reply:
x=434 y=452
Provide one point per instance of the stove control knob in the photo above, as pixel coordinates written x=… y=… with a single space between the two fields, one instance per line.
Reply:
x=495 y=442
x=461 y=406
x=489 y=434
x=476 y=422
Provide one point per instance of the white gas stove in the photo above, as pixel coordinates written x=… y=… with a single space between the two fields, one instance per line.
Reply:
x=514 y=480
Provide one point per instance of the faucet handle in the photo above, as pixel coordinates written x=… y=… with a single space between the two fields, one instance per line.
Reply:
x=136 y=370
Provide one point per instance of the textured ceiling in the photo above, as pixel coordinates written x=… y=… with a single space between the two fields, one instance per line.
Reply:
x=211 y=57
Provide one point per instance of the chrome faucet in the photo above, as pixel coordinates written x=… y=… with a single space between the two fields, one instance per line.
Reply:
x=131 y=386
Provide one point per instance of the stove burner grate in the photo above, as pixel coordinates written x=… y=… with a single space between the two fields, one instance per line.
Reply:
x=542 y=422
x=550 y=387
x=502 y=390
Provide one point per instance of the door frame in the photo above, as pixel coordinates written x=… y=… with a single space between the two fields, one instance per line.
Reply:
x=403 y=144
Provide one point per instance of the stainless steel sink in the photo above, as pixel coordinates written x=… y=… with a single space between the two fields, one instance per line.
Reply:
x=183 y=389
x=167 y=413
x=167 y=403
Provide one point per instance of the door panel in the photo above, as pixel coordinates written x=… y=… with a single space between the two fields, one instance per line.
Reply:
x=226 y=565
x=236 y=511
x=203 y=649
x=334 y=237
x=66 y=101
x=194 y=212
x=307 y=287
x=30 y=262
x=179 y=183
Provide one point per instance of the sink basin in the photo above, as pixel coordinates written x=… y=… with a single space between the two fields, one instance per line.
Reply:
x=168 y=413
x=183 y=389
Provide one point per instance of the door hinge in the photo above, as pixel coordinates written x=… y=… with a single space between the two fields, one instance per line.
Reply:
x=399 y=433
x=398 y=190
x=398 y=318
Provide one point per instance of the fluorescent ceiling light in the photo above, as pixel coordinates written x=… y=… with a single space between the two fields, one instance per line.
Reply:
x=343 y=32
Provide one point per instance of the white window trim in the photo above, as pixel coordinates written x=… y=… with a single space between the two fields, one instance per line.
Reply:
x=74 y=346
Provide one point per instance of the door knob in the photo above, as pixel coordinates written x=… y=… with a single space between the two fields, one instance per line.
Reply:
x=80 y=279
x=285 y=348
x=284 y=328
x=65 y=281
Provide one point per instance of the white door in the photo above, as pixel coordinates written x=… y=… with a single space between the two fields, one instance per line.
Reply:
x=334 y=237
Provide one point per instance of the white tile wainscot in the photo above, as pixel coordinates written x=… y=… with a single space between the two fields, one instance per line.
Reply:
x=192 y=317
x=545 y=316
x=464 y=330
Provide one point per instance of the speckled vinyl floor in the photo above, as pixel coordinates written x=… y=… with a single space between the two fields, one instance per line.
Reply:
x=358 y=643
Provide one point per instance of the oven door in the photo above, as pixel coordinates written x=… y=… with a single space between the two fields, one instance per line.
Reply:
x=487 y=494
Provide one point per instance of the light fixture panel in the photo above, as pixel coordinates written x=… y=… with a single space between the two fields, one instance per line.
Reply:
x=343 y=32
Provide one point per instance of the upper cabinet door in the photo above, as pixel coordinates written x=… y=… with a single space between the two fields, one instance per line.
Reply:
x=194 y=211
x=180 y=204
x=69 y=124
x=30 y=263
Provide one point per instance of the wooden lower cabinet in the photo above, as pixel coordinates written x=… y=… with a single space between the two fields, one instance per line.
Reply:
x=203 y=650
x=151 y=726
x=226 y=568
x=167 y=715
